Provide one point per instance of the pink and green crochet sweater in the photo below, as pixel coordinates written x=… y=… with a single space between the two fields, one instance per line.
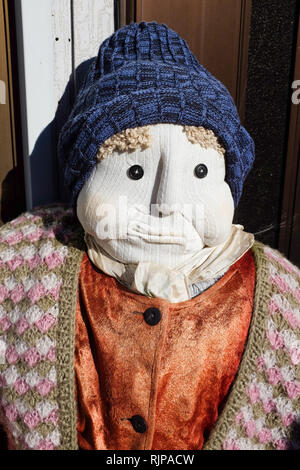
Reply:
x=40 y=258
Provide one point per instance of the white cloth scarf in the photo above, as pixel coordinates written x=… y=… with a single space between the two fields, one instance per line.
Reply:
x=173 y=285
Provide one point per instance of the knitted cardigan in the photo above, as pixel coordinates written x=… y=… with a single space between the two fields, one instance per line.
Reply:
x=40 y=258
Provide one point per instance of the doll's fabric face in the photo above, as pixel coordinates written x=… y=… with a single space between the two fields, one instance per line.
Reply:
x=158 y=204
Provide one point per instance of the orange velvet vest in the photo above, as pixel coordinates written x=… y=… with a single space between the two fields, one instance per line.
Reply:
x=151 y=374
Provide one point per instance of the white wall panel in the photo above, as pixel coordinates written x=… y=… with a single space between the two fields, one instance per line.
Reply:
x=54 y=38
x=93 y=22
x=35 y=55
x=62 y=45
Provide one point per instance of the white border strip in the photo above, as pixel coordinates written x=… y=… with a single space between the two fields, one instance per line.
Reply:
x=35 y=59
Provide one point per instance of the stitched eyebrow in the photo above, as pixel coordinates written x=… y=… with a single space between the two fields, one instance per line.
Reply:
x=205 y=137
x=140 y=138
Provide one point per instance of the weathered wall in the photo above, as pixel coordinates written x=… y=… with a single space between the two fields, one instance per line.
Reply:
x=55 y=37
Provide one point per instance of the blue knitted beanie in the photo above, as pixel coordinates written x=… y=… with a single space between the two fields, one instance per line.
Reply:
x=145 y=74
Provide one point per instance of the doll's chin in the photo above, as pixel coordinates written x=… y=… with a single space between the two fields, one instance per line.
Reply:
x=170 y=255
x=213 y=239
x=211 y=242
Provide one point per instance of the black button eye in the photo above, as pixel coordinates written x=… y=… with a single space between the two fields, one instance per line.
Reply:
x=201 y=170
x=136 y=172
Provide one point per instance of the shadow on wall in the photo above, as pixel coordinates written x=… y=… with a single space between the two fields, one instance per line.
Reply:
x=46 y=176
x=12 y=196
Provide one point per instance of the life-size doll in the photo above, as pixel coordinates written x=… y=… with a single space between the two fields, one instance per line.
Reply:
x=151 y=321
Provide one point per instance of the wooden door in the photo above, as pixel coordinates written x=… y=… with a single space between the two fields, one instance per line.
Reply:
x=289 y=240
x=11 y=168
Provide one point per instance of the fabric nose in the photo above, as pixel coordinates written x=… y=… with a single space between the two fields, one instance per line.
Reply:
x=167 y=191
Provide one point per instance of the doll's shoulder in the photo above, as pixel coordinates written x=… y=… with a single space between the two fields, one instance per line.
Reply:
x=278 y=294
x=266 y=409
x=34 y=249
x=43 y=235
x=272 y=263
x=39 y=261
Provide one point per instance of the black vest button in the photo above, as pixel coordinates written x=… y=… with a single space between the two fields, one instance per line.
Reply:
x=152 y=316
x=138 y=424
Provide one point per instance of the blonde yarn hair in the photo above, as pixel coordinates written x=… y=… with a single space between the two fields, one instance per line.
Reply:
x=140 y=138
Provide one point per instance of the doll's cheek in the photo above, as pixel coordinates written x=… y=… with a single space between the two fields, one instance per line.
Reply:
x=88 y=209
x=217 y=214
x=81 y=207
x=216 y=231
